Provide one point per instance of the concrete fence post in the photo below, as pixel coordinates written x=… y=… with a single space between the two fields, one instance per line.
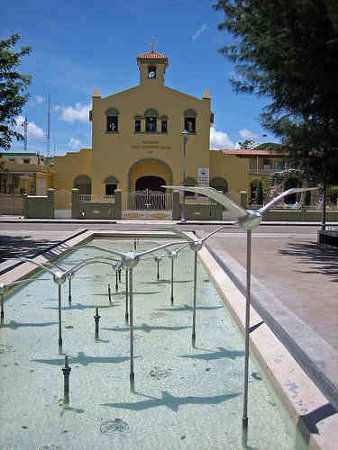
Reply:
x=118 y=204
x=51 y=196
x=176 y=215
x=25 y=205
x=75 y=204
x=244 y=199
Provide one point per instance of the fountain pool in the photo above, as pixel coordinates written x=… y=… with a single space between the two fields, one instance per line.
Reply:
x=183 y=397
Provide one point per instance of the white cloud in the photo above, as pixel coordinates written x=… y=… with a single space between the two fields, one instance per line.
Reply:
x=34 y=132
x=36 y=100
x=77 y=113
x=74 y=144
x=247 y=134
x=219 y=139
x=201 y=30
x=39 y=99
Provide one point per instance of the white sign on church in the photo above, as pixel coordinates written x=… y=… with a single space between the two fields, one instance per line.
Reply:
x=203 y=176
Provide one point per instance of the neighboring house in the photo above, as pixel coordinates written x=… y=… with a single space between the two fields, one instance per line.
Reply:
x=236 y=170
x=24 y=173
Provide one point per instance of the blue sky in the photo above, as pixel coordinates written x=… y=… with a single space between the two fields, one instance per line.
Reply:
x=78 y=45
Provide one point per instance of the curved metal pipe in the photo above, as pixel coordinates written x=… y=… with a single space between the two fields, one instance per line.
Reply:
x=89 y=261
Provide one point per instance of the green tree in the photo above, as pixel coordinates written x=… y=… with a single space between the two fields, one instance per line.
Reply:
x=287 y=50
x=270 y=146
x=13 y=89
x=247 y=144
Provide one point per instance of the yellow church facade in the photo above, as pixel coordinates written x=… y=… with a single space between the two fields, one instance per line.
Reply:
x=137 y=141
x=137 y=137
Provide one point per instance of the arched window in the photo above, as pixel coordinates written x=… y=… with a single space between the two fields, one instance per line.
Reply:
x=151 y=72
x=190 y=120
x=220 y=184
x=84 y=184
x=189 y=181
x=256 y=192
x=151 y=124
x=110 y=185
x=151 y=115
x=112 y=120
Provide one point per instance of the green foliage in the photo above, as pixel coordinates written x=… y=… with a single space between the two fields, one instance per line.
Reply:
x=287 y=50
x=13 y=89
x=247 y=144
x=270 y=146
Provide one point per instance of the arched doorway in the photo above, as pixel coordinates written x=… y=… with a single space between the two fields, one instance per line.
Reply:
x=149 y=174
x=150 y=182
x=84 y=184
x=220 y=184
x=146 y=192
x=292 y=182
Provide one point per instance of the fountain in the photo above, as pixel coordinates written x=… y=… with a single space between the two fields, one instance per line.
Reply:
x=164 y=362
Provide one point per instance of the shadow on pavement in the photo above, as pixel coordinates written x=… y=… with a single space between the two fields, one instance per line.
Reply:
x=322 y=260
x=14 y=246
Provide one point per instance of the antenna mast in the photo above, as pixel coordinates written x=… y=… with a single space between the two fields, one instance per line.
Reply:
x=48 y=128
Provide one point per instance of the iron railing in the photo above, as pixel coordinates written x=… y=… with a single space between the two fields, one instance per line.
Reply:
x=146 y=200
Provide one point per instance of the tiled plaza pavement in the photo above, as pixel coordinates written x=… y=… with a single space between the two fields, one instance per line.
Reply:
x=295 y=284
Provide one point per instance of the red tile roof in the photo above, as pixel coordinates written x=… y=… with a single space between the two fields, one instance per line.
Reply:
x=152 y=55
x=249 y=153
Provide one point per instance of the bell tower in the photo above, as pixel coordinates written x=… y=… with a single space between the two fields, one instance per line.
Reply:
x=152 y=66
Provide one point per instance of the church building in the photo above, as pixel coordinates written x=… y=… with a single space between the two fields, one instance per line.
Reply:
x=137 y=140
x=138 y=145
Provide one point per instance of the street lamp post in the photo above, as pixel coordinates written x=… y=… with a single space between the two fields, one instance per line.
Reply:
x=185 y=140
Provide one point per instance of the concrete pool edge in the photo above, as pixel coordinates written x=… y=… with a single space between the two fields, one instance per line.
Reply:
x=300 y=395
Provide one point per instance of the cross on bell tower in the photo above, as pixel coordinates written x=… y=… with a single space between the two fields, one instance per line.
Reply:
x=152 y=43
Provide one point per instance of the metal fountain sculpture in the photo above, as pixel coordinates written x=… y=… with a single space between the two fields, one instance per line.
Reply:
x=173 y=255
x=196 y=245
x=59 y=276
x=129 y=261
x=246 y=220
